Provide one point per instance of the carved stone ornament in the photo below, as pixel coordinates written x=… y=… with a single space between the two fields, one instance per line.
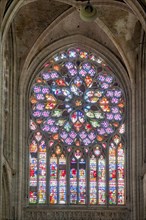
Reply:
x=76 y=215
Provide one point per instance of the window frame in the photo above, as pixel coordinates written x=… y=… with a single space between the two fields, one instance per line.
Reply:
x=106 y=165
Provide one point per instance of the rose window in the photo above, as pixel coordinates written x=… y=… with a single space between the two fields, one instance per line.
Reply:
x=77 y=153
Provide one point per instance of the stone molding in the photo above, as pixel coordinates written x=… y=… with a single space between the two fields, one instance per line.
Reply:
x=70 y=214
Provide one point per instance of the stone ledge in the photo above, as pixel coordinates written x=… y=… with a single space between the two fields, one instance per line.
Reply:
x=70 y=214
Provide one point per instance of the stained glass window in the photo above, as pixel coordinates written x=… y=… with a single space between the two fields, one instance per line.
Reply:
x=77 y=132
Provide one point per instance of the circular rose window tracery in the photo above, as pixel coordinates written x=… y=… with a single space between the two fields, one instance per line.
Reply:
x=77 y=115
x=77 y=101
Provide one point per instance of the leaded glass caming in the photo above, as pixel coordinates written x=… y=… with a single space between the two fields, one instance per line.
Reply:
x=77 y=126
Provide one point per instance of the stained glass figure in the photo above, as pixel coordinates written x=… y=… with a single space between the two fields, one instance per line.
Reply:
x=73 y=181
x=62 y=179
x=53 y=179
x=93 y=180
x=77 y=130
x=121 y=174
x=82 y=181
x=42 y=175
x=33 y=159
x=101 y=181
x=112 y=173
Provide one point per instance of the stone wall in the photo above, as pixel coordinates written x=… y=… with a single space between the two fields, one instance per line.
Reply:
x=76 y=214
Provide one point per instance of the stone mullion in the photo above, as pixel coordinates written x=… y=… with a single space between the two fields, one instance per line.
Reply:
x=5 y=114
x=48 y=155
x=87 y=180
x=68 y=178
x=137 y=148
x=6 y=82
x=97 y=179
x=1 y=123
x=144 y=131
x=117 y=175
x=14 y=117
x=12 y=122
x=143 y=126
x=143 y=66
x=58 y=180
x=129 y=144
x=107 y=172
x=78 y=181
x=144 y=96
x=10 y=97
x=139 y=135
x=38 y=172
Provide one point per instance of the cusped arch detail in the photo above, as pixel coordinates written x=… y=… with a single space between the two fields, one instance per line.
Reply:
x=31 y=68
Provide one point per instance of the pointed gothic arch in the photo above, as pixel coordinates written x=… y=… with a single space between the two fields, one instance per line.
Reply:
x=33 y=71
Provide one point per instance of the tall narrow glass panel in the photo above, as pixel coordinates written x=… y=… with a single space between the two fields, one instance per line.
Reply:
x=112 y=174
x=101 y=181
x=73 y=181
x=93 y=180
x=121 y=174
x=33 y=160
x=53 y=179
x=82 y=181
x=42 y=173
x=62 y=179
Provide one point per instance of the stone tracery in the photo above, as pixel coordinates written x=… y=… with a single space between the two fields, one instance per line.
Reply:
x=78 y=104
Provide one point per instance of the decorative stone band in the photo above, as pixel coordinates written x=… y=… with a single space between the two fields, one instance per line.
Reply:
x=70 y=214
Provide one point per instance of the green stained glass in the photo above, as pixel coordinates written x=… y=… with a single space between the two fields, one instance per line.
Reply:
x=67 y=127
x=94 y=123
x=98 y=115
x=90 y=114
x=60 y=122
x=57 y=113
